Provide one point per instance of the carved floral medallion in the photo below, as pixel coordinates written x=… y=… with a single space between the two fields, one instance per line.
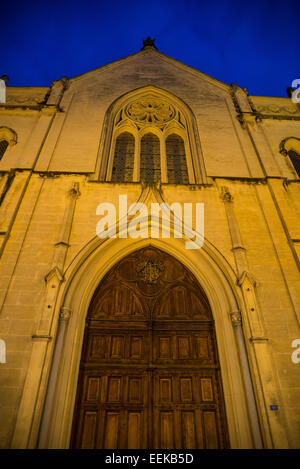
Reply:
x=149 y=270
x=150 y=110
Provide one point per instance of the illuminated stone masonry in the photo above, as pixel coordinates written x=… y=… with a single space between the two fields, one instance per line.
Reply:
x=225 y=316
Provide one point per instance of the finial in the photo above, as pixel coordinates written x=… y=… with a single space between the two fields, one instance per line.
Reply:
x=4 y=78
x=148 y=43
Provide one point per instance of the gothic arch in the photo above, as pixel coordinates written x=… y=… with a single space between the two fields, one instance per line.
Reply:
x=218 y=282
x=289 y=143
x=290 y=148
x=182 y=122
x=168 y=325
x=6 y=133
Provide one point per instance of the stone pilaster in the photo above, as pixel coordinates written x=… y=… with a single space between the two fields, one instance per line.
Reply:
x=250 y=325
x=35 y=386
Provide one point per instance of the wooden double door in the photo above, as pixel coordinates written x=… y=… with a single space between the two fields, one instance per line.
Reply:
x=149 y=374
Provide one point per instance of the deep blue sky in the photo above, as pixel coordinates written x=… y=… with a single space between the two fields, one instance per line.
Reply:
x=252 y=43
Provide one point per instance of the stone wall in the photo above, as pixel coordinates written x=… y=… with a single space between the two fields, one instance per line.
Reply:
x=58 y=146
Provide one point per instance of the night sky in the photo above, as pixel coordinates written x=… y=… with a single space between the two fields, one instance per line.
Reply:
x=252 y=43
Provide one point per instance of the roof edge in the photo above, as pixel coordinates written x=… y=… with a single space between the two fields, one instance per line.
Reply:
x=163 y=56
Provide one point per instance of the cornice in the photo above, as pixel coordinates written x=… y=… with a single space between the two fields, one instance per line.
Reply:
x=46 y=109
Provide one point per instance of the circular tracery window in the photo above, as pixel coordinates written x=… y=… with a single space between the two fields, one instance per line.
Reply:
x=150 y=110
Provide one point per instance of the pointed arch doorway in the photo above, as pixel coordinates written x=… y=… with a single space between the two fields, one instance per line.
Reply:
x=149 y=373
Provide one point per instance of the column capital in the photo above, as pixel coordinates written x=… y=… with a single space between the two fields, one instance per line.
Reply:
x=74 y=191
x=225 y=195
x=236 y=318
x=65 y=313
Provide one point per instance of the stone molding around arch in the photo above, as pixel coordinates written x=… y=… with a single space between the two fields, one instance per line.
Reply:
x=168 y=114
x=164 y=331
x=9 y=135
x=290 y=148
x=82 y=279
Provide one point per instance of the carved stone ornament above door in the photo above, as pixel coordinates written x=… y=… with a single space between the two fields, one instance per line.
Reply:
x=149 y=270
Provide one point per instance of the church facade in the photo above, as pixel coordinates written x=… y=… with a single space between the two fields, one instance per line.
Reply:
x=112 y=338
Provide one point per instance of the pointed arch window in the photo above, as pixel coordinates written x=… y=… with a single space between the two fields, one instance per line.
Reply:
x=151 y=137
x=123 y=158
x=8 y=138
x=290 y=147
x=295 y=160
x=176 y=160
x=150 y=158
x=3 y=146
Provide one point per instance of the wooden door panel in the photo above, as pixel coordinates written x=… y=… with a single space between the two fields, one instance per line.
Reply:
x=186 y=429
x=163 y=422
x=136 y=422
x=184 y=347
x=89 y=427
x=149 y=373
x=119 y=386
x=210 y=429
x=113 y=346
x=111 y=423
x=114 y=412
x=187 y=391
x=207 y=389
x=188 y=399
x=185 y=387
x=122 y=429
x=93 y=387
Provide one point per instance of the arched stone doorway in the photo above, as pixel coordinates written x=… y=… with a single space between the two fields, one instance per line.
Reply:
x=149 y=373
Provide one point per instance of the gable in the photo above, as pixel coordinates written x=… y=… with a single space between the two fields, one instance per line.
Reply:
x=148 y=68
x=88 y=99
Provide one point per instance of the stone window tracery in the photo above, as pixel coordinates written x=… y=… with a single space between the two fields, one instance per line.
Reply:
x=149 y=141
x=8 y=137
x=295 y=160
x=150 y=158
x=123 y=158
x=150 y=110
x=3 y=147
x=291 y=147
x=176 y=160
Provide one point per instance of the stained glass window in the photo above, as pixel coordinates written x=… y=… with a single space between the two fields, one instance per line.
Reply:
x=123 y=158
x=150 y=158
x=176 y=160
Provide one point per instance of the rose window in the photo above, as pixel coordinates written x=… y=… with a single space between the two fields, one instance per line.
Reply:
x=150 y=111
